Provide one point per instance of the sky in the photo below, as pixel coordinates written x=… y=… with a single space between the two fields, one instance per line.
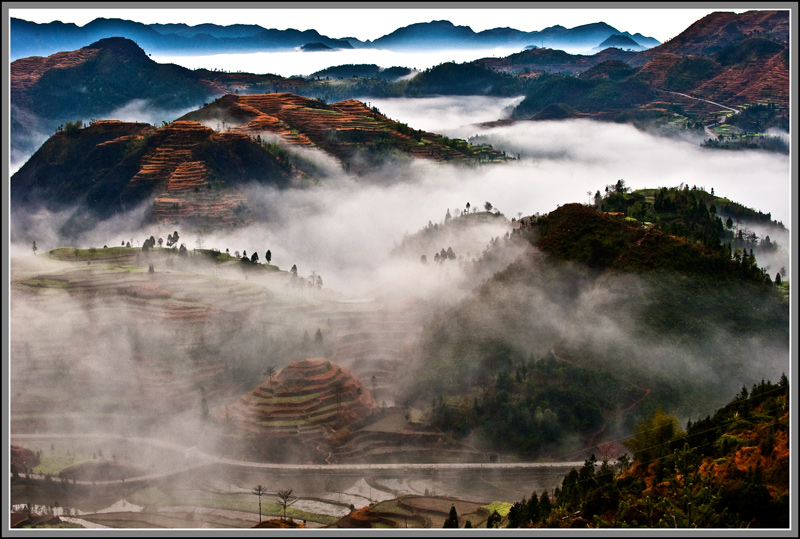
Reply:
x=371 y=23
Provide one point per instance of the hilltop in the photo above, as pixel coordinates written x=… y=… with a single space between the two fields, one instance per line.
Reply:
x=187 y=172
x=344 y=129
x=642 y=312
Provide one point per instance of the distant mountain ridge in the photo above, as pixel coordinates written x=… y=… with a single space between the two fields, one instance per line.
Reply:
x=33 y=39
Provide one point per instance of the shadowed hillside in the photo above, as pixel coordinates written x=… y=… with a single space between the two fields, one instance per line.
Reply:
x=183 y=170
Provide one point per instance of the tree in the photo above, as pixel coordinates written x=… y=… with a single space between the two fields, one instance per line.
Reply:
x=160 y=242
x=533 y=508
x=254 y=258
x=778 y=278
x=268 y=256
x=494 y=520
x=270 y=372
x=544 y=506
x=35 y=248
x=200 y=241
x=294 y=270
x=487 y=206
x=259 y=491
x=452 y=519
x=652 y=437
x=285 y=499
x=318 y=337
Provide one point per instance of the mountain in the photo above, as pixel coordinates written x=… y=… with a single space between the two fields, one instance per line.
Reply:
x=718 y=30
x=440 y=34
x=620 y=42
x=446 y=34
x=740 y=61
x=345 y=129
x=539 y=60
x=93 y=82
x=508 y=367
x=373 y=71
x=183 y=172
x=32 y=39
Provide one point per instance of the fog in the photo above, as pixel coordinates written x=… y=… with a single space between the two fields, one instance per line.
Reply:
x=297 y=63
x=104 y=356
x=142 y=110
x=345 y=227
x=445 y=114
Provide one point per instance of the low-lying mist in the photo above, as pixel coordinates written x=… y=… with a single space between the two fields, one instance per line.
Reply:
x=345 y=226
x=444 y=114
x=296 y=63
x=347 y=229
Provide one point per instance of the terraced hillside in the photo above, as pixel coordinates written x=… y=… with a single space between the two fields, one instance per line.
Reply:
x=143 y=341
x=184 y=171
x=311 y=397
x=342 y=129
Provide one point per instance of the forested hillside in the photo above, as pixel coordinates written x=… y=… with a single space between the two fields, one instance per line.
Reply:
x=729 y=470
x=603 y=320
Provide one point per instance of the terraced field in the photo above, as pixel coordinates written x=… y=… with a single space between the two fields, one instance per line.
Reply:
x=313 y=398
x=340 y=128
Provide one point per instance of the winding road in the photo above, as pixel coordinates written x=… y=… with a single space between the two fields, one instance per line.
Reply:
x=735 y=111
x=196 y=458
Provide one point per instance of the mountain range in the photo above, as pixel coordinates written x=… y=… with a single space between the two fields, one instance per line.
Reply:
x=725 y=58
x=34 y=39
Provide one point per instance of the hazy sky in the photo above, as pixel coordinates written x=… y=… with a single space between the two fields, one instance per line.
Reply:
x=371 y=23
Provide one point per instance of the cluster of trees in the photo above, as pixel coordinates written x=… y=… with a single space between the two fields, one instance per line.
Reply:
x=445 y=254
x=726 y=471
x=529 y=405
x=597 y=94
x=285 y=498
x=695 y=215
x=253 y=259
